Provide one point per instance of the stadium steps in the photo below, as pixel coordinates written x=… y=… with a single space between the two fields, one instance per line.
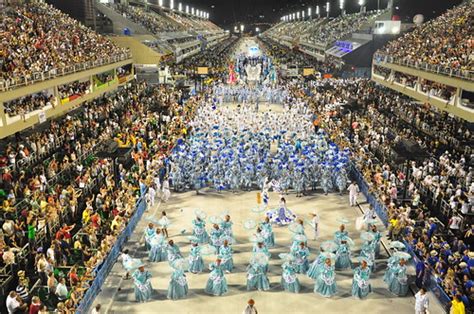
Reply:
x=120 y=22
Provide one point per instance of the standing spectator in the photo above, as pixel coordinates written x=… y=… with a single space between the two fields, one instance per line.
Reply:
x=35 y=305
x=250 y=309
x=421 y=302
x=457 y=306
x=61 y=290
x=14 y=303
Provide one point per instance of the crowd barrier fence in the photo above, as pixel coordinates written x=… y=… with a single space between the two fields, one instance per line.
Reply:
x=109 y=262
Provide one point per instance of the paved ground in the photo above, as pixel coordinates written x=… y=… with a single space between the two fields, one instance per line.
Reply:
x=180 y=210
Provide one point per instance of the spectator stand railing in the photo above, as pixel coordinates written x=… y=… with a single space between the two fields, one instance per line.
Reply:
x=109 y=261
x=382 y=213
x=33 y=78
x=380 y=58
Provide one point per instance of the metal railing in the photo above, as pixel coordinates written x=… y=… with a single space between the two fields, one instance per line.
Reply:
x=380 y=58
x=16 y=82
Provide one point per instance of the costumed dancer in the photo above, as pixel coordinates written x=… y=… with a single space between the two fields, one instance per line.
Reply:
x=360 y=283
x=265 y=192
x=368 y=251
x=158 y=250
x=225 y=255
x=289 y=279
x=377 y=239
x=216 y=237
x=261 y=248
x=343 y=256
x=267 y=233
x=341 y=234
x=142 y=284
x=281 y=216
x=166 y=193
x=148 y=235
x=326 y=283
x=392 y=262
x=196 y=264
x=164 y=222
x=199 y=230
x=216 y=284
x=257 y=277
x=399 y=283
x=178 y=287
x=173 y=252
x=226 y=227
x=316 y=267
x=301 y=254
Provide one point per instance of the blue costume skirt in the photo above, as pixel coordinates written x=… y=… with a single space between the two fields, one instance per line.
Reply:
x=259 y=282
x=216 y=286
x=343 y=261
x=325 y=290
x=196 y=264
x=177 y=290
x=290 y=283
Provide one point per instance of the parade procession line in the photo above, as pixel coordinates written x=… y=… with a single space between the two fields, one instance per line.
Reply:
x=118 y=294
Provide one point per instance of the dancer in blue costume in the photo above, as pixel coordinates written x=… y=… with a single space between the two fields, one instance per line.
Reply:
x=301 y=254
x=267 y=233
x=326 y=283
x=281 y=216
x=216 y=284
x=173 y=252
x=199 y=230
x=260 y=247
x=158 y=248
x=196 y=264
x=343 y=256
x=142 y=284
x=391 y=264
x=226 y=227
x=368 y=251
x=341 y=234
x=399 y=283
x=316 y=267
x=289 y=279
x=225 y=255
x=178 y=287
x=257 y=278
x=216 y=237
x=149 y=234
x=360 y=283
x=377 y=238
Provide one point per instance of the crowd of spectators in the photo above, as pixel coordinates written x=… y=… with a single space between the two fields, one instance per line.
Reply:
x=36 y=38
x=445 y=41
x=24 y=105
x=76 y=88
x=63 y=208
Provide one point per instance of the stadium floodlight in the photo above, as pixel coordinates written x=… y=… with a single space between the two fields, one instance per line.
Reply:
x=187 y=9
x=327 y=8
x=294 y=16
x=160 y=3
x=242 y=27
x=302 y=14
x=193 y=11
x=180 y=7
x=309 y=12
x=361 y=2
x=317 y=10
x=257 y=29
x=198 y=13
x=298 y=15
x=341 y=4
x=172 y=4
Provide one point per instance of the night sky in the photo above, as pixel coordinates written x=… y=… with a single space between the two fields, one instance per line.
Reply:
x=227 y=13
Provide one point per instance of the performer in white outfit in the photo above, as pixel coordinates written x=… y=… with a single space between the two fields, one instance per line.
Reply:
x=353 y=192
x=315 y=224
x=421 y=302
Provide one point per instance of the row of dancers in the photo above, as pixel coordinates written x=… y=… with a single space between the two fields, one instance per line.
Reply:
x=335 y=255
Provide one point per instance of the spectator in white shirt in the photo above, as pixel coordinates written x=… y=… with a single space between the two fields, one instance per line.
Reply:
x=421 y=302
x=14 y=303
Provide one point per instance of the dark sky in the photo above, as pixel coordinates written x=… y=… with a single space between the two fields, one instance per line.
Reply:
x=228 y=13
